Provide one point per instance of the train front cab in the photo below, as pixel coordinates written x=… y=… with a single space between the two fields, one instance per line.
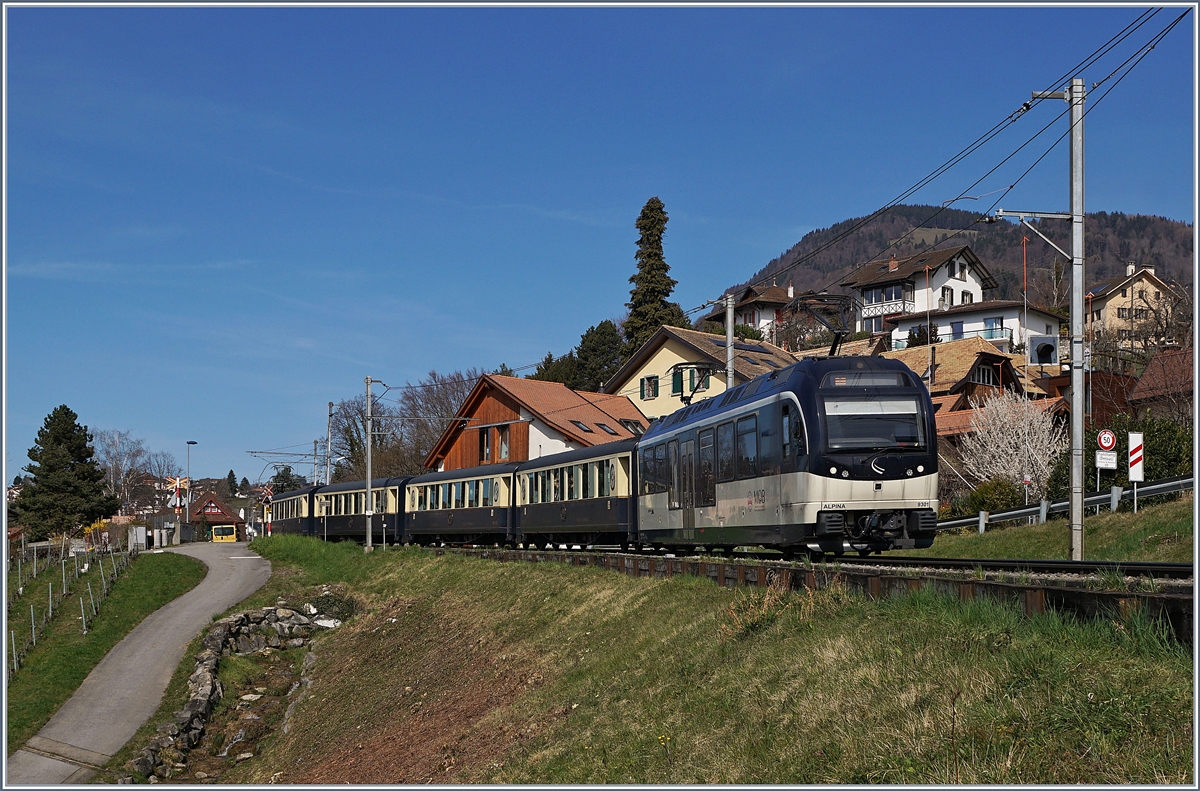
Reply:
x=577 y=498
x=755 y=466
x=467 y=506
x=340 y=511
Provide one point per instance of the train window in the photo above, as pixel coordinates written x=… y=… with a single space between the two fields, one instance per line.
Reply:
x=502 y=435
x=360 y=503
x=445 y=492
x=586 y=472
x=460 y=494
x=660 y=468
x=673 y=474
x=863 y=379
x=786 y=420
x=725 y=455
x=646 y=471
x=487 y=493
x=556 y=485
x=472 y=494
x=747 y=447
x=706 y=482
x=572 y=487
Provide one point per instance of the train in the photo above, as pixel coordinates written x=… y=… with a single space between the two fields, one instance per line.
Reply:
x=823 y=457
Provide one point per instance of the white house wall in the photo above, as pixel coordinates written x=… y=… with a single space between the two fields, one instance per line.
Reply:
x=973 y=324
x=544 y=440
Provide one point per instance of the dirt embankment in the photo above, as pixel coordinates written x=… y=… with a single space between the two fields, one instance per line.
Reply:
x=402 y=695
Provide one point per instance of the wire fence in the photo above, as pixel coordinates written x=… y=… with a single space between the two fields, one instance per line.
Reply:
x=50 y=584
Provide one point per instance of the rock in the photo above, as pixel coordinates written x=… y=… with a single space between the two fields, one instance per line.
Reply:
x=204 y=775
x=153 y=779
x=273 y=641
x=168 y=728
x=281 y=629
x=256 y=616
x=142 y=764
x=125 y=780
x=285 y=613
x=327 y=623
x=216 y=637
x=244 y=645
x=308 y=608
x=295 y=642
x=188 y=740
x=245 y=756
x=250 y=696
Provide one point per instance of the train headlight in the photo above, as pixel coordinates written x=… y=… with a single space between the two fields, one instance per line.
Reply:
x=920 y=468
x=845 y=473
x=833 y=470
x=908 y=472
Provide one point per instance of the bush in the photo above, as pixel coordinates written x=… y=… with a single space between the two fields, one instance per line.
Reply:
x=1168 y=453
x=991 y=496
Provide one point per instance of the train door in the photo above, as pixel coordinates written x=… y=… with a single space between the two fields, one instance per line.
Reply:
x=687 y=463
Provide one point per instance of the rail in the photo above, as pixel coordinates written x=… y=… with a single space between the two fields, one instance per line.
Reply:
x=1043 y=509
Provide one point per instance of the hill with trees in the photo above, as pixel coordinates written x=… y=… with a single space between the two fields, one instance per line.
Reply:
x=822 y=258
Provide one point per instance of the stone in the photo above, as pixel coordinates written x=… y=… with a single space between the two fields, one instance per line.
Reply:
x=244 y=645
x=308 y=608
x=216 y=637
x=246 y=756
x=273 y=641
x=153 y=779
x=281 y=629
x=256 y=616
x=125 y=780
x=142 y=764
x=250 y=696
x=168 y=728
x=295 y=642
x=285 y=613
x=204 y=775
x=299 y=620
x=327 y=623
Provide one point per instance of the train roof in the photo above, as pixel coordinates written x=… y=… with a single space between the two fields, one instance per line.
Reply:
x=294 y=493
x=788 y=378
x=353 y=486
x=484 y=471
x=582 y=454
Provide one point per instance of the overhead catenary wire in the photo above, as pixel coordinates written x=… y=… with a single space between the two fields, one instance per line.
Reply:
x=1091 y=59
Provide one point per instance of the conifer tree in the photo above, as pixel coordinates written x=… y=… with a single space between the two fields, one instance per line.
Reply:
x=598 y=356
x=231 y=482
x=65 y=487
x=648 y=305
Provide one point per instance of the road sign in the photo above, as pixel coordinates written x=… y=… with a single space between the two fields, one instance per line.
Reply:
x=1136 y=456
x=1107 y=440
x=1106 y=460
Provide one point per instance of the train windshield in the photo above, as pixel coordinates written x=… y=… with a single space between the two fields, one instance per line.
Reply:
x=871 y=422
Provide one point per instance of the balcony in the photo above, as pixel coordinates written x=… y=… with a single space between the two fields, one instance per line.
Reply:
x=889 y=308
x=999 y=336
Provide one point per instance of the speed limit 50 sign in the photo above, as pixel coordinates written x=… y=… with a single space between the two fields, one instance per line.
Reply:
x=1106 y=439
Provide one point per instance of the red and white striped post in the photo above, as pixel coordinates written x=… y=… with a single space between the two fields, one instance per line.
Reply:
x=1137 y=459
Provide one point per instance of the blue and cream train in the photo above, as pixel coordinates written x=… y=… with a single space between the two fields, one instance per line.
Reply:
x=824 y=456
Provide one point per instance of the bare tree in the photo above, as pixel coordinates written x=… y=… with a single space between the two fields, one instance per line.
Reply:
x=158 y=466
x=121 y=455
x=1011 y=438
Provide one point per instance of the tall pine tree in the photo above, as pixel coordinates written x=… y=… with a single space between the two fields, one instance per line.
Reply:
x=648 y=305
x=65 y=490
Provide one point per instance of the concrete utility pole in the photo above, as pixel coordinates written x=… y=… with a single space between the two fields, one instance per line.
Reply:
x=1074 y=97
x=729 y=341
x=329 y=446
x=370 y=512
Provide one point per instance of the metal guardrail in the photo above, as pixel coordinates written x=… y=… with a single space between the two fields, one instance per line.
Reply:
x=1044 y=508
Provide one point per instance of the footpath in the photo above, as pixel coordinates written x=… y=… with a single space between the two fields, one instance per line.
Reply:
x=125 y=689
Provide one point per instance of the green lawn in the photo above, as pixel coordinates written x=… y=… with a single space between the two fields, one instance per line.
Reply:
x=463 y=670
x=64 y=656
x=1161 y=532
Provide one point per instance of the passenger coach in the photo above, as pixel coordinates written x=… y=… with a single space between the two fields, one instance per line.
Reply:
x=821 y=455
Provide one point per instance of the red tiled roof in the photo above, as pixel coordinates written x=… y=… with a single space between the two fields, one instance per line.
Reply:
x=1167 y=374
x=880 y=272
x=558 y=405
x=950 y=424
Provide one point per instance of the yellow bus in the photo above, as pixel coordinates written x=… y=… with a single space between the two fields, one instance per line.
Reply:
x=224 y=534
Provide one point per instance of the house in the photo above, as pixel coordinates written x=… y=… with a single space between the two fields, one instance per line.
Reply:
x=1007 y=323
x=865 y=347
x=760 y=307
x=506 y=419
x=1140 y=303
x=953 y=424
x=971 y=367
x=1105 y=394
x=1165 y=388
x=935 y=280
x=677 y=366
x=207 y=509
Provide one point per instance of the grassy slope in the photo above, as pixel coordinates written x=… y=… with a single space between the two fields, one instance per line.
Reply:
x=551 y=674
x=1158 y=533
x=63 y=658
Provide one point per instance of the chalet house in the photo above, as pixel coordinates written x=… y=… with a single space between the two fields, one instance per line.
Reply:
x=207 y=509
x=934 y=281
x=677 y=364
x=1005 y=323
x=1165 y=388
x=971 y=367
x=760 y=307
x=1124 y=305
x=505 y=419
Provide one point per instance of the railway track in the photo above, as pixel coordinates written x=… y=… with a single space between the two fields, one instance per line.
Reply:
x=1161 y=591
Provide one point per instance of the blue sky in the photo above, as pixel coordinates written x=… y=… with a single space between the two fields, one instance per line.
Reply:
x=219 y=219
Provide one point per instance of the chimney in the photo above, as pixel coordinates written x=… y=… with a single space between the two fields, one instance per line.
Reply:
x=790 y=291
x=1130 y=267
x=893 y=265
x=1149 y=269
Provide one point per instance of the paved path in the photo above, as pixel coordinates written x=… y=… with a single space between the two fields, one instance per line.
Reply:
x=125 y=689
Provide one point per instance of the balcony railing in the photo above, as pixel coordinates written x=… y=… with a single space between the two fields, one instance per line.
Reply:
x=945 y=334
x=889 y=308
